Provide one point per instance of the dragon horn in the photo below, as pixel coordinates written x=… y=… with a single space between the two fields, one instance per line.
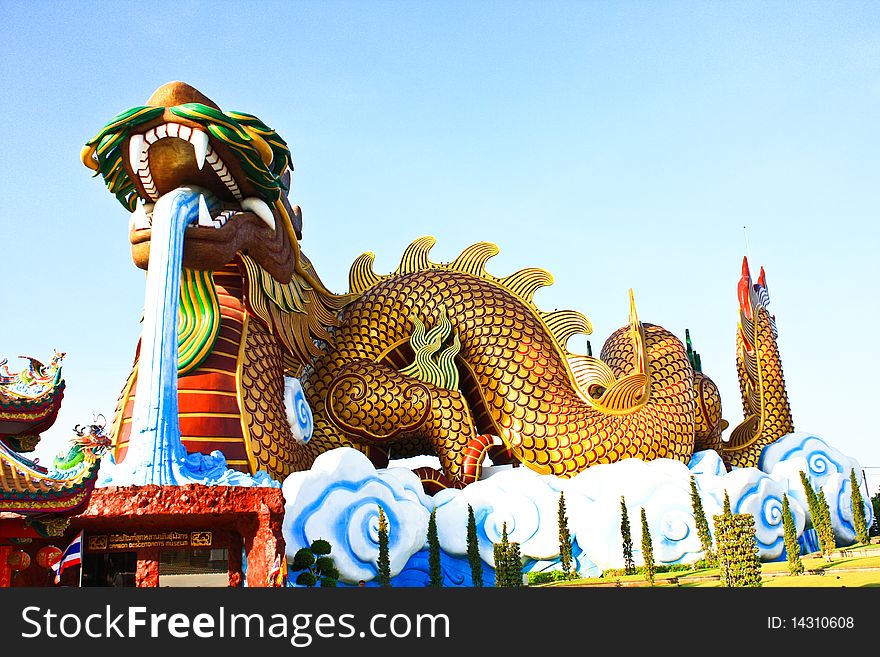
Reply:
x=745 y=283
x=638 y=337
x=762 y=279
x=633 y=313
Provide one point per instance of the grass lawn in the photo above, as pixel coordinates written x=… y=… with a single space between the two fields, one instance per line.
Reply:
x=828 y=580
x=849 y=571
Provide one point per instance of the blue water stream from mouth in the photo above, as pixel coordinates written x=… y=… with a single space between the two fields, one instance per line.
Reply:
x=156 y=454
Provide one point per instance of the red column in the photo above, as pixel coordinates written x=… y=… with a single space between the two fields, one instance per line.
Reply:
x=266 y=545
x=234 y=552
x=5 y=570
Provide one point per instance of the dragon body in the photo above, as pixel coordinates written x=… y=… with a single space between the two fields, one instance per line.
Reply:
x=436 y=358
x=554 y=411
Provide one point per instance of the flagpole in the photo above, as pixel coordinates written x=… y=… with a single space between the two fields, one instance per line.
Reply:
x=82 y=556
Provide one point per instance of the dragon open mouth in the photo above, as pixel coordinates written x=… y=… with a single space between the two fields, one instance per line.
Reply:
x=241 y=167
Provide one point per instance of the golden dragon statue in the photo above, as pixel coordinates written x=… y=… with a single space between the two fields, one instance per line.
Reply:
x=436 y=358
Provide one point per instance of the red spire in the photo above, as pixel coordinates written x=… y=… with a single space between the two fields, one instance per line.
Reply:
x=745 y=283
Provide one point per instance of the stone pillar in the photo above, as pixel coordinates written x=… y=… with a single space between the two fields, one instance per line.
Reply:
x=266 y=545
x=234 y=552
x=147 y=574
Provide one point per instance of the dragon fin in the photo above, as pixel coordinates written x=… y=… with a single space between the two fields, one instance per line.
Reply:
x=523 y=284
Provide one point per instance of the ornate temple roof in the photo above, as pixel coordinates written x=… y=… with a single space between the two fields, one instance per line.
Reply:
x=28 y=488
x=29 y=403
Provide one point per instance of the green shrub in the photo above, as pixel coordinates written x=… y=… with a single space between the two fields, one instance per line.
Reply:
x=640 y=570
x=304 y=558
x=508 y=563
x=701 y=523
x=565 y=546
x=473 y=550
x=860 y=524
x=792 y=548
x=320 y=570
x=647 y=550
x=547 y=576
x=434 y=564
x=626 y=535
x=384 y=561
x=738 y=559
x=305 y=578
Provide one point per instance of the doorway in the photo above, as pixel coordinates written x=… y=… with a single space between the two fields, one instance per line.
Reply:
x=115 y=569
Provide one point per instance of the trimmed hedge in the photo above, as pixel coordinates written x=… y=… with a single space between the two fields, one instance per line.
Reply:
x=738 y=560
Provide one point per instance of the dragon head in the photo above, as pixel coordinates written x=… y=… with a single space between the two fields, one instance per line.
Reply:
x=240 y=165
x=754 y=299
x=87 y=446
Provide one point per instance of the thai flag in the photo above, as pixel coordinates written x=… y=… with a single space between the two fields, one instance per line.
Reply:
x=72 y=557
x=274 y=573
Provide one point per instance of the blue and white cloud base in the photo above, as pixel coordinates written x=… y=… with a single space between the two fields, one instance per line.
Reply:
x=338 y=499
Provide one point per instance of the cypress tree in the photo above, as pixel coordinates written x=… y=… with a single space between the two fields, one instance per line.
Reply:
x=859 y=522
x=751 y=564
x=792 y=548
x=565 y=547
x=701 y=523
x=384 y=558
x=827 y=530
x=508 y=563
x=820 y=517
x=723 y=541
x=875 y=502
x=628 y=563
x=436 y=573
x=502 y=552
x=473 y=550
x=647 y=550
x=514 y=565
x=813 y=507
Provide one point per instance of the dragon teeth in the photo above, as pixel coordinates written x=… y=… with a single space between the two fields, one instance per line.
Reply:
x=259 y=208
x=205 y=218
x=207 y=221
x=135 y=150
x=199 y=140
x=138 y=155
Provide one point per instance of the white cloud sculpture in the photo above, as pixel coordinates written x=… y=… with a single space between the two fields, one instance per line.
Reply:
x=337 y=500
x=827 y=468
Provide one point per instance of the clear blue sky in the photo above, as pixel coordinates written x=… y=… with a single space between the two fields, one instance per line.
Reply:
x=618 y=145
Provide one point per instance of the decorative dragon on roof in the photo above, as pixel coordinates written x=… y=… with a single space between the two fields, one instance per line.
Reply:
x=29 y=401
x=29 y=404
x=434 y=358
